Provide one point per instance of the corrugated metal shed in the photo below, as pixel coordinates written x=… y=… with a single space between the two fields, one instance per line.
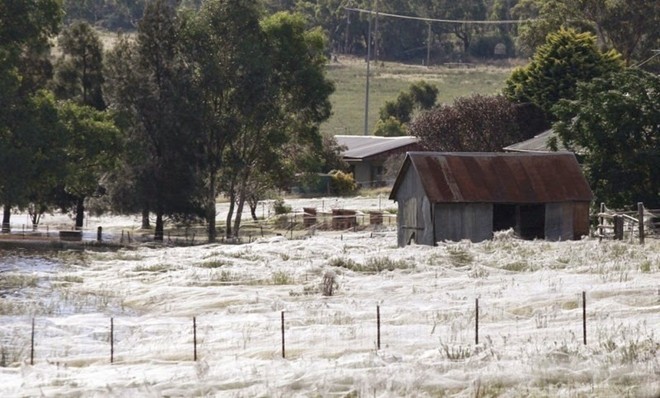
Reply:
x=359 y=147
x=497 y=177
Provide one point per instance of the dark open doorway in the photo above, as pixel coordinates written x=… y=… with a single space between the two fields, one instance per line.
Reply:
x=531 y=221
x=504 y=217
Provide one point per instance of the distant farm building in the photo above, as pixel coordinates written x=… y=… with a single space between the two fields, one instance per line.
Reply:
x=366 y=155
x=455 y=196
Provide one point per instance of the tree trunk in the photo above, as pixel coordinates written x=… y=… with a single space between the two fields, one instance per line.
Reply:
x=241 y=204
x=80 y=213
x=158 y=233
x=6 y=215
x=230 y=213
x=210 y=210
x=253 y=210
x=145 y=219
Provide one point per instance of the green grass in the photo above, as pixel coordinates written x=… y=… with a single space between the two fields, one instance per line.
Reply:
x=349 y=76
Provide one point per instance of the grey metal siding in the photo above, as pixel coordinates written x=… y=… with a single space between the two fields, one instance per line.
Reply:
x=411 y=215
x=454 y=222
x=559 y=221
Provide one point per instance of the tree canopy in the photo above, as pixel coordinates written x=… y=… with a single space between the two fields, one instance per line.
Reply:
x=396 y=115
x=614 y=121
x=567 y=57
x=471 y=124
x=629 y=27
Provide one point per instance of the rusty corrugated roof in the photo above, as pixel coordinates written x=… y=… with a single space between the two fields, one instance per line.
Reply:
x=456 y=177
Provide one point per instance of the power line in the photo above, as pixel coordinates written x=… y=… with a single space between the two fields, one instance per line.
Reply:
x=455 y=21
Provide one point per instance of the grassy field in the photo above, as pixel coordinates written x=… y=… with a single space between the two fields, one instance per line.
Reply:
x=388 y=79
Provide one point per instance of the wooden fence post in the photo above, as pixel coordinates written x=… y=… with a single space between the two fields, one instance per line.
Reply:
x=112 y=340
x=584 y=318
x=32 y=344
x=378 y=326
x=283 y=347
x=476 y=323
x=195 y=339
x=601 y=221
x=640 y=218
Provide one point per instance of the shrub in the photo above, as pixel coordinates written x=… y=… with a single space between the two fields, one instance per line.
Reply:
x=329 y=283
x=341 y=183
x=280 y=208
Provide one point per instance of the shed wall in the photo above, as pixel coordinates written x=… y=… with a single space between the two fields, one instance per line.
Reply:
x=559 y=221
x=580 y=219
x=414 y=212
x=454 y=222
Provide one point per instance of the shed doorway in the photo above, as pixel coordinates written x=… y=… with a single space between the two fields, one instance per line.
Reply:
x=531 y=221
x=504 y=217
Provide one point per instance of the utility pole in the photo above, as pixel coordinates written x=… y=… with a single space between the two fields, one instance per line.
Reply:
x=376 y=36
x=366 y=97
x=428 y=47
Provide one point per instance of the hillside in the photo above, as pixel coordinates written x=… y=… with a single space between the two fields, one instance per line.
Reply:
x=388 y=79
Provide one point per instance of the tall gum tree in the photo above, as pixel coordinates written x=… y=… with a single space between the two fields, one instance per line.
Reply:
x=298 y=100
x=225 y=44
x=25 y=28
x=150 y=86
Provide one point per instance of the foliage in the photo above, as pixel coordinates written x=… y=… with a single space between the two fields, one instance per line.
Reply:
x=459 y=10
x=279 y=207
x=471 y=124
x=225 y=47
x=79 y=71
x=342 y=184
x=395 y=115
x=567 y=57
x=25 y=116
x=109 y=14
x=615 y=122
x=392 y=166
x=390 y=127
x=630 y=27
x=92 y=149
x=36 y=134
x=149 y=85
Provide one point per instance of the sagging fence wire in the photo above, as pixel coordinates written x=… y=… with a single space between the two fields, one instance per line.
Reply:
x=456 y=329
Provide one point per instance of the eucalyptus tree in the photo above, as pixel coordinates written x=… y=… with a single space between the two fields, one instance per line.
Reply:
x=33 y=156
x=297 y=102
x=226 y=47
x=25 y=30
x=150 y=86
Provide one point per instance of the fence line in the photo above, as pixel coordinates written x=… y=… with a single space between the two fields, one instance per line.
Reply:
x=297 y=223
x=139 y=339
x=635 y=224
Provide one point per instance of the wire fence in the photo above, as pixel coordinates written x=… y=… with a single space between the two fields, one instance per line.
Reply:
x=295 y=224
x=458 y=329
